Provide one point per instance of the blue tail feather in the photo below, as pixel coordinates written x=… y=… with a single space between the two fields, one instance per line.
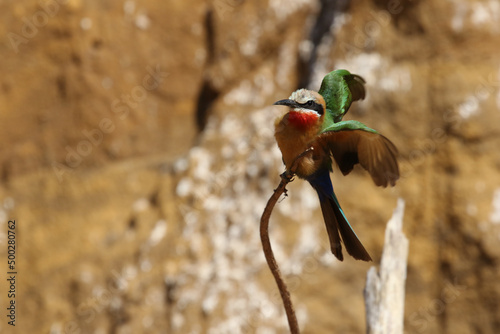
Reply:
x=335 y=219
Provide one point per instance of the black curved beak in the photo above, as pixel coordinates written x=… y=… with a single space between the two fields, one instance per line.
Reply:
x=286 y=102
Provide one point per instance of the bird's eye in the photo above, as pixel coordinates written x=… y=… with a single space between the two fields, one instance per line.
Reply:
x=310 y=103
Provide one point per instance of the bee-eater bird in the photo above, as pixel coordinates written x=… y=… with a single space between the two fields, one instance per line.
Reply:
x=314 y=119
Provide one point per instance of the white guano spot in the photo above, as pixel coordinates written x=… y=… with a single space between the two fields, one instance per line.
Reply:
x=158 y=233
x=184 y=187
x=486 y=14
x=495 y=212
x=469 y=107
x=86 y=23
x=142 y=21
x=376 y=69
x=284 y=8
x=480 y=14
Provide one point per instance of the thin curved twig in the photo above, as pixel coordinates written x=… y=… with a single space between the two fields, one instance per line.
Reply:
x=286 y=177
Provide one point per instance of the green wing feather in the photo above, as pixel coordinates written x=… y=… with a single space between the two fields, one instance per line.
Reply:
x=347 y=125
x=352 y=142
x=340 y=88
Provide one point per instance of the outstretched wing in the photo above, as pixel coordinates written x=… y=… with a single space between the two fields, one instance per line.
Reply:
x=340 y=88
x=352 y=142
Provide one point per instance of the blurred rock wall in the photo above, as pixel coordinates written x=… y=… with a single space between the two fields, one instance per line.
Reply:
x=138 y=154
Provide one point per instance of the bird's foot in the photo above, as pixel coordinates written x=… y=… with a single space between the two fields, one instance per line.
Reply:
x=287 y=176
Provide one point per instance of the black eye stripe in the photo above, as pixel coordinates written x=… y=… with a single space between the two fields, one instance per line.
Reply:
x=312 y=106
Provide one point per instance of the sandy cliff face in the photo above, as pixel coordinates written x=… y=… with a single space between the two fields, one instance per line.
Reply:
x=138 y=154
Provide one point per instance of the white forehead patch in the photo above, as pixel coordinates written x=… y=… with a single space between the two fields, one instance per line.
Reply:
x=302 y=96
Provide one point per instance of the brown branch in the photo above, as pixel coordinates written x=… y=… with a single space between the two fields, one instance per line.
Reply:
x=286 y=177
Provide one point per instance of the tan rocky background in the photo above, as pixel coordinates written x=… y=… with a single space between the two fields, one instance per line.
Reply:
x=137 y=155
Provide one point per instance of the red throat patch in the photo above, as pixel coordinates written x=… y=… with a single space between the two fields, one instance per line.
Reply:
x=302 y=120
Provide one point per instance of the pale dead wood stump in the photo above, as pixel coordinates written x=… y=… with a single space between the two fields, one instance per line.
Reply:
x=385 y=288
